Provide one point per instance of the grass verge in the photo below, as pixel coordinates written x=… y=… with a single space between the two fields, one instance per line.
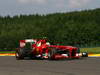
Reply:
x=7 y=51
x=91 y=50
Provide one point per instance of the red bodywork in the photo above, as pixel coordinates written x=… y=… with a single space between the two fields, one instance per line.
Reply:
x=41 y=47
x=71 y=50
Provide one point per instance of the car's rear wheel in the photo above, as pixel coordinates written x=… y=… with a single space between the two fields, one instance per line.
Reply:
x=24 y=52
x=20 y=54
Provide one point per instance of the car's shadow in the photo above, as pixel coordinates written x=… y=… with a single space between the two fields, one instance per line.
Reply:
x=68 y=59
x=82 y=58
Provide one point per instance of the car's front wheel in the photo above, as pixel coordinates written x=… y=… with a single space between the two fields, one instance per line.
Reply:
x=84 y=54
x=51 y=54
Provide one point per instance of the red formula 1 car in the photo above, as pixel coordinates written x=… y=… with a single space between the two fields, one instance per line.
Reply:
x=42 y=49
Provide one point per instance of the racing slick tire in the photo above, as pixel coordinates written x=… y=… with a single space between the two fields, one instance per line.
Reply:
x=51 y=54
x=24 y=52
x=85 y=54
x=20 y=54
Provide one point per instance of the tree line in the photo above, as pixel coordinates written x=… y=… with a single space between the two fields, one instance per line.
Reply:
x=78 y=28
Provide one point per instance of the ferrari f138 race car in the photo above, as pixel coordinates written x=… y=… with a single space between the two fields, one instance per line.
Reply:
x=42 y=49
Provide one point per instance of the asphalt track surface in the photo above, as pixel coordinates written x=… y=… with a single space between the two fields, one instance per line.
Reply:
x=86 y=66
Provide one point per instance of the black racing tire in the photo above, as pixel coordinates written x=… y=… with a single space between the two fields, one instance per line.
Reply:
x=24 y=52
x=84 y=54
x=20 y=54
x=51 y=54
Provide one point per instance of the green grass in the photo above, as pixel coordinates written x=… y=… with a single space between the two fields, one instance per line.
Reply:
x=91 y=50
x=7 y=51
